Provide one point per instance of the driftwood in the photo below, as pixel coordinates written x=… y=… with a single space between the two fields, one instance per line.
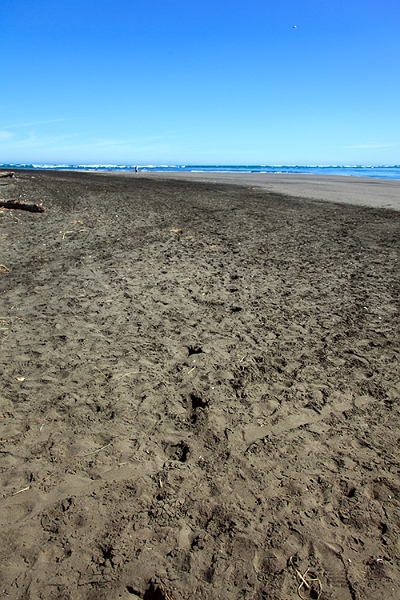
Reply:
x=10 y=174
x=18 y=205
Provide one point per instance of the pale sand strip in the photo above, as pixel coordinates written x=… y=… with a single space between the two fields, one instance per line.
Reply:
x=365 y=191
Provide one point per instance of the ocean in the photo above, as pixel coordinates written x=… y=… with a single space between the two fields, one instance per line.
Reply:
x=380 y=172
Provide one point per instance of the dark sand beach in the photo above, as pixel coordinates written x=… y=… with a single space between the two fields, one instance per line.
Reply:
x=200 y=388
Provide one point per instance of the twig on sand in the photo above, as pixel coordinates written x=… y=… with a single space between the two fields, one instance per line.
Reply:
x=104 y=375
x=73 y=231
x=23 y=490
x=192 y=369
x=308 y=581
x=4 y=269
x=98 y=450
x=127 y=374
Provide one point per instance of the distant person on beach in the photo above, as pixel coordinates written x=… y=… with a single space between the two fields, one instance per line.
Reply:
x=136 y=169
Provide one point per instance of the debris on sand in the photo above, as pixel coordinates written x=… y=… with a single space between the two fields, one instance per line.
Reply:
x=19 y=205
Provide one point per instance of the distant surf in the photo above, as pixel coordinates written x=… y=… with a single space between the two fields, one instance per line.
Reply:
x=376 y=171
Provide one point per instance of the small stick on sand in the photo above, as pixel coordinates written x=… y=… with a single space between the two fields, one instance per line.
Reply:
x=98 y=450
x=23 y=490
x=309 y=587
x=72 y=231
x=307 y=583
x=127 y=374
x=104 y=375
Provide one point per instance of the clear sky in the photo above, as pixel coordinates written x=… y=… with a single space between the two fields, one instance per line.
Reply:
x=200 y=82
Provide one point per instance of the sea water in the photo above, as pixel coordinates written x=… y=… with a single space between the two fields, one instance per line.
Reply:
x=380 y=172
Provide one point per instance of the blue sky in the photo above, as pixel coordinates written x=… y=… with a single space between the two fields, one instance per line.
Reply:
x=200 y=82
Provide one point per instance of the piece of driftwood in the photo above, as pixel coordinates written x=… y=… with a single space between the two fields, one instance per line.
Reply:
x=10 y=174
x=18 y=205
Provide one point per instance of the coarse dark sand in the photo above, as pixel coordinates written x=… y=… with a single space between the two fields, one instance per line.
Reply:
x=200 y=391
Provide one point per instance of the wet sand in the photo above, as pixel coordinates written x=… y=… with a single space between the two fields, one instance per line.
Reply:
x=361 y=191
x=200 y=390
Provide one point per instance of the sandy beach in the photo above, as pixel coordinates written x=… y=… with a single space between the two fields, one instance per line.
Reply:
x=200 y=387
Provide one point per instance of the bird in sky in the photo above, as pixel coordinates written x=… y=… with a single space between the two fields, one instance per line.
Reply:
x=294 y=26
